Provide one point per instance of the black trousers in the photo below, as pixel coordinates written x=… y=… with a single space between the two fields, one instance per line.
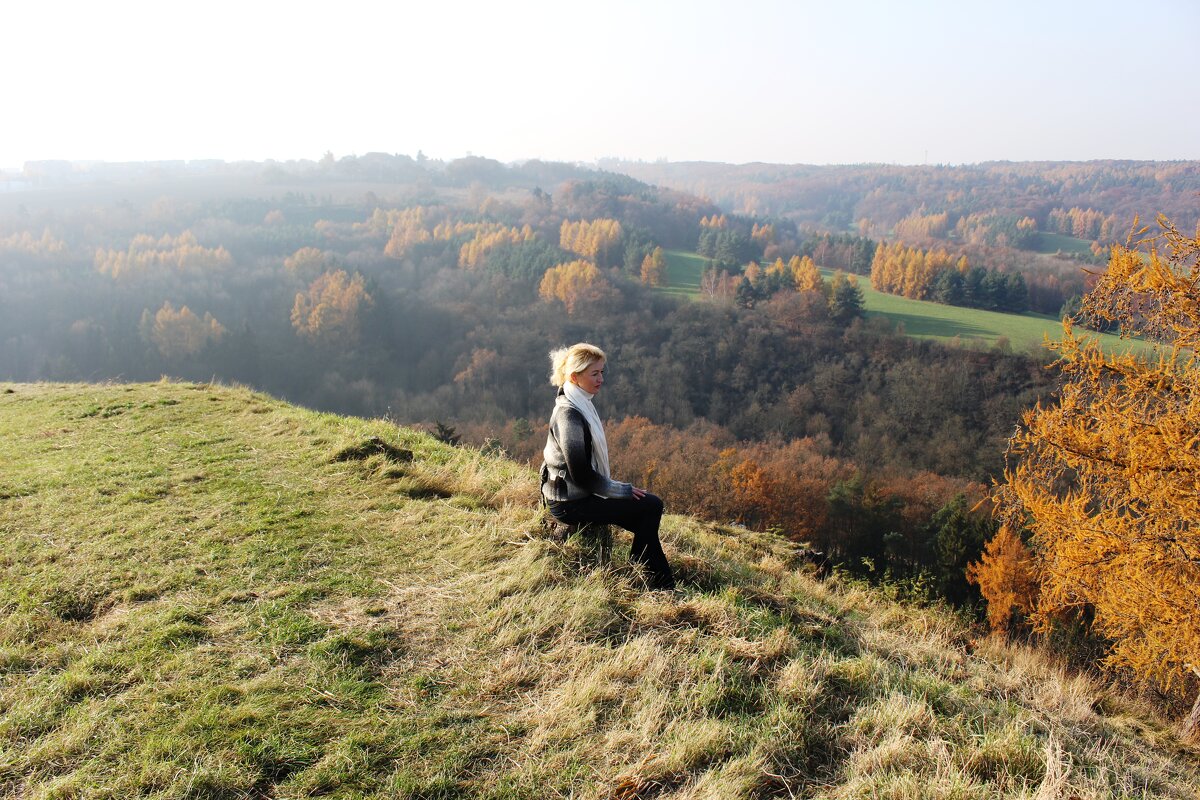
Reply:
x=640 y=517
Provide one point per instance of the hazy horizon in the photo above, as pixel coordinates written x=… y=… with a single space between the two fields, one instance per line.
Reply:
x=759 y=81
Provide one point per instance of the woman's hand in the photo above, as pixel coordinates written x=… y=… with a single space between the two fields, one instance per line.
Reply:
x=638 y=494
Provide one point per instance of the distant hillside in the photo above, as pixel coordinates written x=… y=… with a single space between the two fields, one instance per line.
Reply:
x=206 y=592
x=839 y=196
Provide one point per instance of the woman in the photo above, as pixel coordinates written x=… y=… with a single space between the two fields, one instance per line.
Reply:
x=576 y=482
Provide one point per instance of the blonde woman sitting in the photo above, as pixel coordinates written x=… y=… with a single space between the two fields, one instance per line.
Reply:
x=576 y=483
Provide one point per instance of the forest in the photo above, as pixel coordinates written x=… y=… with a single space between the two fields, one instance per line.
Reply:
x=429 y=293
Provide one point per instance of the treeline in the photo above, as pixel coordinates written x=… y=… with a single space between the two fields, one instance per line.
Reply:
x=842 y=298
x=1084 y=224
x=936 y=275
x=996 y=277
x=838 y=198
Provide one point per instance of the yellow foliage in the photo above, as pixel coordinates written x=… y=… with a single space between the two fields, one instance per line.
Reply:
x=1006 y=577
x=306 y=262
x=763 y=234
x=806 y=275
x=654 y=268
x=179 y=333
x=1083 y=223
x=380 y=222
x=329 y=312
x=147 y=255
x=408 y=230
x=589 y=239
x=1106 y=477
x=414 y=226
x=569 y=282
x=753 y=272
x=910 y=271
x=25 y=243
x=918 y=226
x=487 y=238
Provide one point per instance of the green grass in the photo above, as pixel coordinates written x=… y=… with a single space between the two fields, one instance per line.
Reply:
x=1056 y=242
x=205 y=592
x=927 y=320
x=683 y=273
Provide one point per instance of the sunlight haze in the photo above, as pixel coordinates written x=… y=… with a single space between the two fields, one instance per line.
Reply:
x=798 y=82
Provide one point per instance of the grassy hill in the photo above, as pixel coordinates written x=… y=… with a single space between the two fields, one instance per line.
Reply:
x=920 y=318
x=206 y=592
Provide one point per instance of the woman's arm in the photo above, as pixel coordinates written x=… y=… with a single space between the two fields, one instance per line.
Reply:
x=574 y=439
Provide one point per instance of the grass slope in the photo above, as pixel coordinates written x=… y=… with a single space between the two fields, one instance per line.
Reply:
x=926 y=320
x=209 y=593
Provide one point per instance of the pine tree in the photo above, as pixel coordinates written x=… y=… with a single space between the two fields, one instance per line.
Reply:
x=845 y=299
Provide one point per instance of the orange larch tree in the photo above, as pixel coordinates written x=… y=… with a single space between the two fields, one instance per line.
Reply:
x=806 y=275
x=592 y=239
x=330 y=311
x=654 y=268
x=1006 y=577
x=1106 y=479
x=569 y=282
x=307 y=262
x=177 y=333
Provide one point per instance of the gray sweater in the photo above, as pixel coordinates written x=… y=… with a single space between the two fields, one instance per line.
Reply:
x=567 y=471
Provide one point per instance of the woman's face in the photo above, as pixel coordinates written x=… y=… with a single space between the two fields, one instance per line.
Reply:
x=591 y=379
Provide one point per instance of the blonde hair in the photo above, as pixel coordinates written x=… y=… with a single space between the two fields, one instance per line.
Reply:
x=568 y=361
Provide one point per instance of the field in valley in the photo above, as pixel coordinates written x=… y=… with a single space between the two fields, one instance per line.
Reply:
x=918 y=318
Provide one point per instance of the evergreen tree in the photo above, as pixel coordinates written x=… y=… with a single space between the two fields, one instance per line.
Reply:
x=845 y=299
x=746 y=295
x=949 y=287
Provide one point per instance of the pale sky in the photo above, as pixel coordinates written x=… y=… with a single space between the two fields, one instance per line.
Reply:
x=906 y=81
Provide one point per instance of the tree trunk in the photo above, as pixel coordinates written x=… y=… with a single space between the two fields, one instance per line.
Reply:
x=1191 y=725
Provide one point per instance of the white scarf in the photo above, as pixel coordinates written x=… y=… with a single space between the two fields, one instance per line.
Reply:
x=582 y=401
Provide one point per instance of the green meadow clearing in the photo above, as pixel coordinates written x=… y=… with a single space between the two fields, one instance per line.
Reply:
x=1059 y=242
x=683 y=273
x=920 y=318
x=926 y=320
